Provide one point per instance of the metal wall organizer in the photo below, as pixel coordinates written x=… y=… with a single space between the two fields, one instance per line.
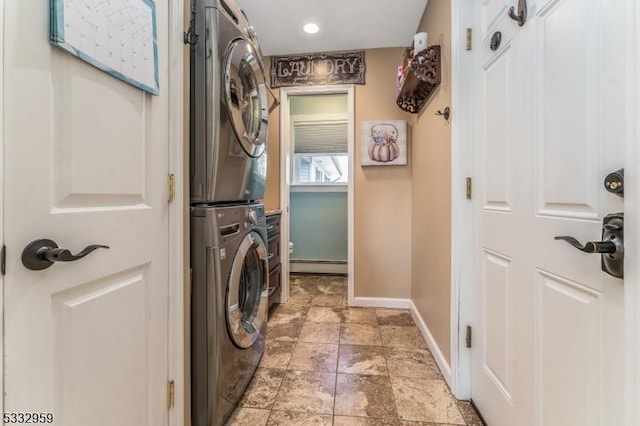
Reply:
x=421 y=80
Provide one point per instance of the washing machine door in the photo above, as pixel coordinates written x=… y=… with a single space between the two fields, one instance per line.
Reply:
x=246 y=96
x=247 y=290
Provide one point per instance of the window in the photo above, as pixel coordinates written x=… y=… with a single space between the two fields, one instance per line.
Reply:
x=320 y=152
x=319 y=168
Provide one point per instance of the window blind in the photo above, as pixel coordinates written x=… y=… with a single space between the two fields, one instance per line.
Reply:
x=320 y=138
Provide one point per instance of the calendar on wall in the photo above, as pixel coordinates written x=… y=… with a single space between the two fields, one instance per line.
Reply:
x=116 y=36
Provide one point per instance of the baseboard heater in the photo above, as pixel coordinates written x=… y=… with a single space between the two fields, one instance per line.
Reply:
x=318 y=266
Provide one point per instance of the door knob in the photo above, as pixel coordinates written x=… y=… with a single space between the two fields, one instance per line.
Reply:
x=40 y=254
x=611 y=247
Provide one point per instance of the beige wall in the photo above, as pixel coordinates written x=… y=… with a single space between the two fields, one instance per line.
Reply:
x=431 y=194
x=382 y=194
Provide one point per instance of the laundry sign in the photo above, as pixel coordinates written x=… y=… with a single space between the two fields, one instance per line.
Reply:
x=318 y=69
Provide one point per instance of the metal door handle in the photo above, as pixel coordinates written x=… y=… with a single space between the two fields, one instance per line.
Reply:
x=611 y=247
x=590 y=246
x=40 y=254
x=521 y=17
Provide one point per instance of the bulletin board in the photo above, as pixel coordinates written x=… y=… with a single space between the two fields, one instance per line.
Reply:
x=116 y=36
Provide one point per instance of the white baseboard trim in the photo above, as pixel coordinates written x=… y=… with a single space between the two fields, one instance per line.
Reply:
x=380 y=302
x=443 y=365
x=318 y=268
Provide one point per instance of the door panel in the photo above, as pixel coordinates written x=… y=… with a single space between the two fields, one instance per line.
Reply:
x=87 y=146
x=567 y=107
x=568 y=341
x=498 y=358
x=79 y=316
x=551 y=322
x=498 y=185
x=86 y=160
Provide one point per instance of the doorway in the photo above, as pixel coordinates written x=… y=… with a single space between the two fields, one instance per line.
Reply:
x=316 y=175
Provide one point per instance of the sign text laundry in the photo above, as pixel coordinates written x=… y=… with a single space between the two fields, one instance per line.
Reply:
x=318 y=68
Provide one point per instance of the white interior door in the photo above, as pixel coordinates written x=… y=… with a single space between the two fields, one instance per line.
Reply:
x=85 y=162
x=548 y=323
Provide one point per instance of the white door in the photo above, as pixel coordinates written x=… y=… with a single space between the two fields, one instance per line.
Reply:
x=85 y=162
x=548 y=323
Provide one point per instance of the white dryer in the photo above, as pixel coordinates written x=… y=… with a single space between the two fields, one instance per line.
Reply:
x=229 y=110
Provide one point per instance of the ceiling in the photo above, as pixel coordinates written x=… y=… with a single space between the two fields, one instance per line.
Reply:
x=344 y=24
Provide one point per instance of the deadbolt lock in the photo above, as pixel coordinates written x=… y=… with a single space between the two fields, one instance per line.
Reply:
x=614 y=183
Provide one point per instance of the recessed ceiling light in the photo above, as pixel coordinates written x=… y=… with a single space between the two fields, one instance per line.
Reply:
x=311 y=28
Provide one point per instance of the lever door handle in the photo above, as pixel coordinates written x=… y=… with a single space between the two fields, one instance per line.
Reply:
x=40 y=254
x=590 y=246
x=64 y=255
x=611 y=247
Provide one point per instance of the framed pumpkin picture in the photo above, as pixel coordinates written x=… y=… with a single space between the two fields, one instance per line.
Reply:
x=383 y=143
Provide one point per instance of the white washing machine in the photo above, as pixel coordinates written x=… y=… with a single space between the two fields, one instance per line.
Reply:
x=229 y=110
x=229 y=303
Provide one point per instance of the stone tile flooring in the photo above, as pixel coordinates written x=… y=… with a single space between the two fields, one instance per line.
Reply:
x=328 y=364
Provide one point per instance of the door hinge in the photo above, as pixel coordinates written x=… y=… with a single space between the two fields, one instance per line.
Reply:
x=468 y=337
x=469 y=188
x=171 y=193
x=3 y=259
x=171 y=395
x=469 y=38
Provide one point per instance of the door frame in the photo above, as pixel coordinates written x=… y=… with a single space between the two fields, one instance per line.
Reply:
x=285 y=164
x=2 y=199
x=462 y=216
x=463 y=226
x=178 y=317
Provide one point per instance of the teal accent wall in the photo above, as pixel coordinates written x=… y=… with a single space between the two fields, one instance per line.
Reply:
x=318 y=224
x=318 y=228
x=318 y=104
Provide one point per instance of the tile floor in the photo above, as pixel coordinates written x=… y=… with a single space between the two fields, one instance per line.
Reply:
x=327 y=364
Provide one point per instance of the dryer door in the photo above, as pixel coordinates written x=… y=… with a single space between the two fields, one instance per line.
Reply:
x=247 y=290
x=246 y=96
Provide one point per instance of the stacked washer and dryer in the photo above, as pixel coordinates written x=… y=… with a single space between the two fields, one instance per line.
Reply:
x=229 y=291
